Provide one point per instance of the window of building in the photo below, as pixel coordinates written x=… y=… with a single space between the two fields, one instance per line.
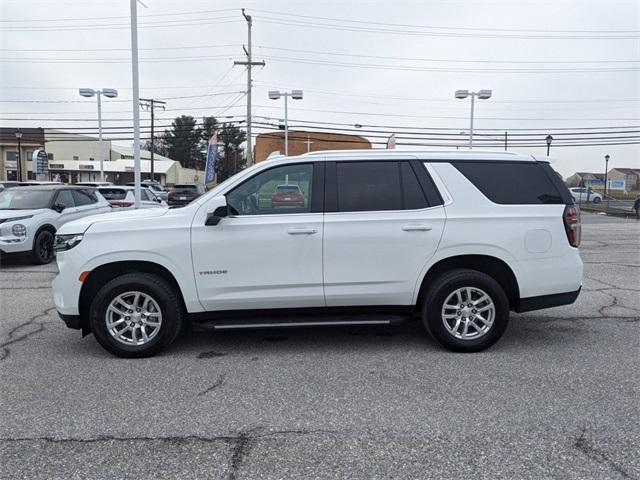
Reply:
x=11 y=155
x=91 y=159
x=29 y=154
x=76 y=157
x=279 y=190
x=50 y=156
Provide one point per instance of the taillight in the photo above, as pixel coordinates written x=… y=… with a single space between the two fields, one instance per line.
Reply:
x=571 y=219
x=121 y=204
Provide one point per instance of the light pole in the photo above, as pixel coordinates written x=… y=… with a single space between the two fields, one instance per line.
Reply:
x=296 y=95
x=549 y=139
x=109 y=93
x=482 y=95
x=606 y=172
x=19 y=162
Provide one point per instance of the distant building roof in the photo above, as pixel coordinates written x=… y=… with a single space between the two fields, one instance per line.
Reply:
x=127 y=152
x=628 y=171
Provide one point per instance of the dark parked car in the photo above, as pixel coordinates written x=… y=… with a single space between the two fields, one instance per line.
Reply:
x=287 y=196
x=183 y=193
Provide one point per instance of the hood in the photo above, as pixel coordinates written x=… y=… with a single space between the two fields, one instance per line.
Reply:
x=81 y=225
x=9 y=214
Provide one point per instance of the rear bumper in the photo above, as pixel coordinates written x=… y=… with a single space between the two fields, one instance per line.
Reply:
x=547 y=301
x=71 y=321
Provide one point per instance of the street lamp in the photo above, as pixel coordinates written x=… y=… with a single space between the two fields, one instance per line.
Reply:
x=482 y=95
x=296 y=95
x=19 y=162
x=109 y=93
x=549 y=139
x=606 y=171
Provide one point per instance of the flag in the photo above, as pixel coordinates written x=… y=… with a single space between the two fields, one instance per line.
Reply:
x=212 y=157
x=391 y=142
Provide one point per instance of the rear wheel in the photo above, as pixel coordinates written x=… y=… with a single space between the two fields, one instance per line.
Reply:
x=42 y=248
x=136 y=315
x=597 y=199
x=466 y=310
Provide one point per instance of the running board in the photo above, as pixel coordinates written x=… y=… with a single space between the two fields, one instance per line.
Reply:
x=301 y=324
x=301 y=321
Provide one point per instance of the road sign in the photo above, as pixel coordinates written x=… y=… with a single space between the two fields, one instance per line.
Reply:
x=41 y=161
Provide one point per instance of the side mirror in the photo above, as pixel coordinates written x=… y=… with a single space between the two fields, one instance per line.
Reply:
x=58 y=207
x=218 y=214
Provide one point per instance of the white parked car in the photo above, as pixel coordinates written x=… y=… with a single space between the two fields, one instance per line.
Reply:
x=123 y=197
x=583 y=195
x=30 y=216
x=95 y=184
x=458 y=239
x=157 y=189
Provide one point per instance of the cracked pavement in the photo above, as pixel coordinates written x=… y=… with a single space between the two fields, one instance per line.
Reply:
x=557 y=397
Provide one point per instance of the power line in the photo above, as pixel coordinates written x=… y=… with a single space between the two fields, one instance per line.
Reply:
x=419 y=59
x=68 y=19
x=387 y=31
x=436 y=27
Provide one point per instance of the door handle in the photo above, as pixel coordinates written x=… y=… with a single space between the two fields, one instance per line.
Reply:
x=301 y=231
x=416 y=227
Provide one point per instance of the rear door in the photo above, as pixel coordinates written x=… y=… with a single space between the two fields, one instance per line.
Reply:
x=383 y=222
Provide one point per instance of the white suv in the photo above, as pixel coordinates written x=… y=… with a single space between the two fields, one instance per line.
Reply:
x=458 y=239
x=30 y=216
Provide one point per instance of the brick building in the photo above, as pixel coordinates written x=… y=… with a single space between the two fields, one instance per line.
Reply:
x=302 y=142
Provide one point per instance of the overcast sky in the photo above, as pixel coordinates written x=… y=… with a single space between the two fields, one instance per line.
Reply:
x=551 y=65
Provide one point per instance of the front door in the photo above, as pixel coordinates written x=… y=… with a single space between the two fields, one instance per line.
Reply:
x=383 y=223
x=268 y=252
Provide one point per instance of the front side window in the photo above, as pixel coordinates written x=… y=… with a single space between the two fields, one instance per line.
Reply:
x=279 y=190
x=84 y=197
x=65 y=198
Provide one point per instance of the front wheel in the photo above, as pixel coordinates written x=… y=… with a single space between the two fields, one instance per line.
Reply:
x=42 y=252
x=597 y=199
x=136 y=315
x=466 y=311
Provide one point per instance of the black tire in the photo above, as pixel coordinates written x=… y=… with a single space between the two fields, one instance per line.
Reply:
x=597 y=200
x=42 y=252
x=162 y=292
x=444 y=286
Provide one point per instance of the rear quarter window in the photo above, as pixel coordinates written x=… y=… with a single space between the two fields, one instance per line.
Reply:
x=113 y=193
x=513 y=183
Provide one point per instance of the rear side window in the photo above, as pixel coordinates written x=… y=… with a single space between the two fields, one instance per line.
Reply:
x=113 y=193
x=368 y=186
x=512 y=183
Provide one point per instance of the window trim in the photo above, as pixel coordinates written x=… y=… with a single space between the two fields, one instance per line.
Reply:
x=317 y=191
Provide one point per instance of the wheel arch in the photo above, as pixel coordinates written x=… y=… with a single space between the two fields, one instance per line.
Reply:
x=108 y=271
x=46 y=226
x=496 y=268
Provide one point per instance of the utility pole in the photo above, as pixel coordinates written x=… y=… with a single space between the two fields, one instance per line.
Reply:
x=150 y=104
x=249 y=63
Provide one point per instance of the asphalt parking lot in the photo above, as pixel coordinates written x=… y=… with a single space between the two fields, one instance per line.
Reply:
x=557 y=397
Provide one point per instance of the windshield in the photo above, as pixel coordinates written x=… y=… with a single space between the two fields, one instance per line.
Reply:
x=14 y=199
x=185 y=187
x=113 y=193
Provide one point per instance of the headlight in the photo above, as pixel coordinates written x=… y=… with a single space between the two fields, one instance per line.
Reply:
x=19 y=230
x=66 y=242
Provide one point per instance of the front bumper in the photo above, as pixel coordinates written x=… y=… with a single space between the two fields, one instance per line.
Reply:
x=547 y=301
x=15 y=244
